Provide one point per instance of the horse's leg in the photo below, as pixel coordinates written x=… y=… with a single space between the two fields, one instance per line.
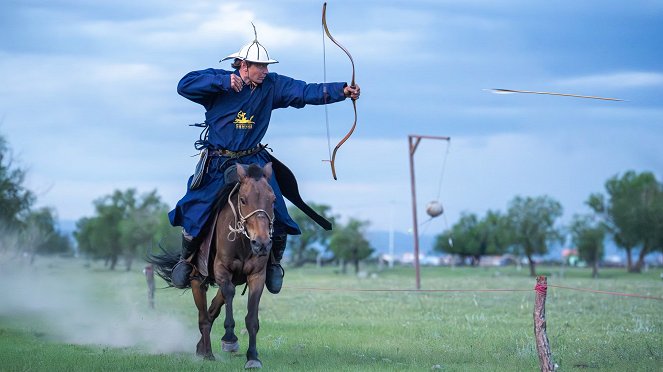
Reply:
x=229 y=340
x=215 y=308
x=204 y=347
x=214 y=311
x=256 y=284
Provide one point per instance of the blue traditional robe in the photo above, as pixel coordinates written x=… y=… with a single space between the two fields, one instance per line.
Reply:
x=238 y=121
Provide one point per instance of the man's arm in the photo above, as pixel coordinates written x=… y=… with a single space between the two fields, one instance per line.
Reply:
x=202 y=86
x=296 y=93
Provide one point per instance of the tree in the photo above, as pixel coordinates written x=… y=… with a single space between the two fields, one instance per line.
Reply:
x=99 y=236
x=303 y=246
x=31 y=231
x=475 y=238
x=633 y=214
x=15 y=199
x=124 y=223
x=588 y=236
x=493 y=234
x=624 y=239
x=465 y=236
x=40 y=235
x=140 y=227
x=532 y=226
x=167 y=236
x=348 y=243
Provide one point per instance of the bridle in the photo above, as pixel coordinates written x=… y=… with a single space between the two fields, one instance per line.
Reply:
x=241 y=219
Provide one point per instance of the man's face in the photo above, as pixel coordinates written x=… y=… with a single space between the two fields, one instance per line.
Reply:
x=257 y=72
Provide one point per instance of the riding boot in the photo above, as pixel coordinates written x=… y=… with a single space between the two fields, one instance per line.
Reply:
x=275 y=272
x=181 y=273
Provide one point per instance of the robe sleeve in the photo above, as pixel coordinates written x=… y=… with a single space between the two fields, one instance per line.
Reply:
x=296 y=93
x=203 y=86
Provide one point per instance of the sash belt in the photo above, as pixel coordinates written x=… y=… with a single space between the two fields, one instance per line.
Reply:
x=237 y=154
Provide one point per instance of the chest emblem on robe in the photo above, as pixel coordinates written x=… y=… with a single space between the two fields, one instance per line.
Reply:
x=241 y=122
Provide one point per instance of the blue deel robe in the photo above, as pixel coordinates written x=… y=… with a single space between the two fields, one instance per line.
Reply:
x=238 y=121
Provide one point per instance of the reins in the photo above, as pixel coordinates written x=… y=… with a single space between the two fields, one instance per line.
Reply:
x=241 y=219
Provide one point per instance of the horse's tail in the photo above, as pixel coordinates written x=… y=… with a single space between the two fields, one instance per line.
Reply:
x=163 y=263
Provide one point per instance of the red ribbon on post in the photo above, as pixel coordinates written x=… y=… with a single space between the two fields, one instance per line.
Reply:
x=542 y=343
x=541 y=288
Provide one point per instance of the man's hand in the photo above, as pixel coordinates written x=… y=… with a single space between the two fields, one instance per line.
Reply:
x=236 y=83
x=352 y=92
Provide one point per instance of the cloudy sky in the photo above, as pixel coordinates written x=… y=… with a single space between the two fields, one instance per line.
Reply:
x=88 y=98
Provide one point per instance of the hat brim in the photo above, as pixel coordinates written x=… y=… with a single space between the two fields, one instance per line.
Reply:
x=237 y=55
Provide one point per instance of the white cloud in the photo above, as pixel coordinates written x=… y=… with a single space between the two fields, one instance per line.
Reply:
x=630 y=79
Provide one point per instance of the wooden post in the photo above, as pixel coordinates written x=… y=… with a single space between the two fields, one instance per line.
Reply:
x=413 y=142
x=542 y=344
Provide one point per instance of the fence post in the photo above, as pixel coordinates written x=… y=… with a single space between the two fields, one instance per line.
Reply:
x=542 y=344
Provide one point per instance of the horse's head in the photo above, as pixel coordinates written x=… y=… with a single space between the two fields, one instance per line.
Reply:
x=255 y=204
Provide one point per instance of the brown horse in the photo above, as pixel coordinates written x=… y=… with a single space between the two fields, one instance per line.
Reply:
x=242 y=244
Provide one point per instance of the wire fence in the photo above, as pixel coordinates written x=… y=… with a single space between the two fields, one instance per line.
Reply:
x=622 y=294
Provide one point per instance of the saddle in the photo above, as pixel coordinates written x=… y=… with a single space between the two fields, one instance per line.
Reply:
x=231 y=179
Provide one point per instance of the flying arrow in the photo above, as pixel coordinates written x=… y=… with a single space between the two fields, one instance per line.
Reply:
x=509 y=91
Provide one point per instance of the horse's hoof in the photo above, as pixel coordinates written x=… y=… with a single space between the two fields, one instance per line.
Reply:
x=230 y=347
x=253 y=364
x=206 y=356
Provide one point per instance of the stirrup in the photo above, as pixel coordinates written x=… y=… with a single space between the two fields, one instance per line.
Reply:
x=274 y=282
x=181 y=274
x=280 y=267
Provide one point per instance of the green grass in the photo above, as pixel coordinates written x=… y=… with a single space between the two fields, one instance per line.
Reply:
x=69 y=315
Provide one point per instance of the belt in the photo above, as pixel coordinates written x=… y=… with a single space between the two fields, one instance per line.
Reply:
x=237 y=154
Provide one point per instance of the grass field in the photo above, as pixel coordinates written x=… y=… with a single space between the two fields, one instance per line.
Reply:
x=73 y=315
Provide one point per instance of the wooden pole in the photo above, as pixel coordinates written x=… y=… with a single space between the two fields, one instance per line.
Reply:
x=415 y=228
x=542 y=344
x=413 y=143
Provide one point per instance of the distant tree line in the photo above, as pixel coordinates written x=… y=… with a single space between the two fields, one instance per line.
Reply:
x=631 y=214
x=345 y=244
x=126 y=225
x=25 y=230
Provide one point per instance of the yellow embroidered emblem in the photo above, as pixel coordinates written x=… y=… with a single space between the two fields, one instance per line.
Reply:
x=241 y=122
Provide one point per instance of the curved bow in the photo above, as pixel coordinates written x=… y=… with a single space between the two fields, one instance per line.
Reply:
x=352 y=84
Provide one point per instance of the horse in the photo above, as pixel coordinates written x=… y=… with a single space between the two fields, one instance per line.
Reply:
x=242 y=231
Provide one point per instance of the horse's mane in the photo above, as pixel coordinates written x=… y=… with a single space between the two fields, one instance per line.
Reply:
x=254 y=171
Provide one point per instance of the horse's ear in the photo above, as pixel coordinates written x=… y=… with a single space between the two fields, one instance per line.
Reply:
x=241 y=171
x=267 y=170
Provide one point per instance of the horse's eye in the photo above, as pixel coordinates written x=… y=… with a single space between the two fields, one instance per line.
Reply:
x=242 y=200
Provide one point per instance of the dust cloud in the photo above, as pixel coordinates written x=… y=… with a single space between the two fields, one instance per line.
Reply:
x=78 y=302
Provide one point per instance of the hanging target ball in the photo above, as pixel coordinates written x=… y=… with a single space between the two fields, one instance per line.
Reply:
x=434 y=209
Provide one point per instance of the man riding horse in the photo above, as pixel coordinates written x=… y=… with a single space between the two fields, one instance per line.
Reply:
x=238 y=107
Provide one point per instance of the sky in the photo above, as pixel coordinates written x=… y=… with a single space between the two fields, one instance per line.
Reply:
x=88 y=99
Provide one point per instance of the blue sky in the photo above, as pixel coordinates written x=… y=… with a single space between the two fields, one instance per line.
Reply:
x=88 y=100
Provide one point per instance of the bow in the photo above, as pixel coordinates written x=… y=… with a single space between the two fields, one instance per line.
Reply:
x=352 y=84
